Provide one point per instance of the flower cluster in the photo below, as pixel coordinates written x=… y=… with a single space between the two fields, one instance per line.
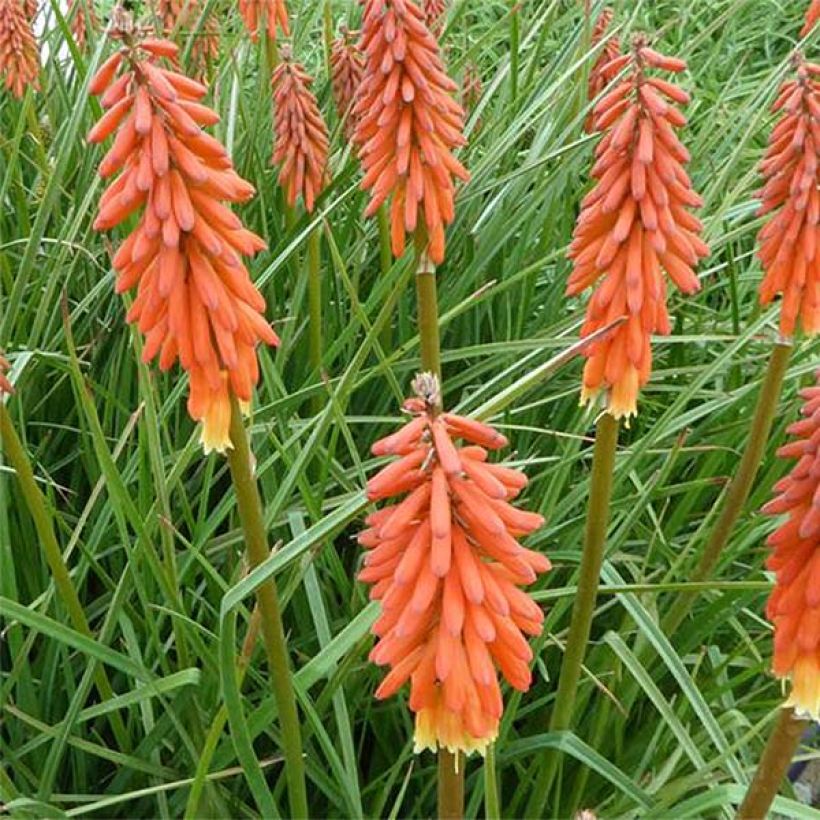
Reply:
x=195 y=301
x=347 y=66
x=5 y=384
x=788 y=242
x=268 y=13
x=794 y=605
x=434 y=11
x=82 y=20
x=19 y=57
x=601 y=74
x=408 y=124
x=446 y=564
x=178 y=18
x=633 y=225
x=301 y=142
x=812 y=16
x=471 y=87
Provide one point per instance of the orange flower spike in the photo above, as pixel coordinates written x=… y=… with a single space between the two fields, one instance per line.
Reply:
x=604 y=70
x=447 y=568
x=301 y=143
x=407 y=124
x=271 y=13
x=794 y=605
x=347 y=66
x=179 y=18
x=195 y=301
x=82 y=19
x=812 y=16
x=19 y=56
x=788 y=242
x=633 y=225
x=434 y=14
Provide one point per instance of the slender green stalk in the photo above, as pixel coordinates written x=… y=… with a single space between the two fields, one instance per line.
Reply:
x=603 y=464
x=492 y=799
x=773 y=765
x=450 y=785
x=38 y=510
x=385 y=263
x=741 y=485
x=315 y=310
x=515 y=37
x=250 y=514
x=427 y=297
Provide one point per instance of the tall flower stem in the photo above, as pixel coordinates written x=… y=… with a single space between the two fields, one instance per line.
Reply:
x=773 y=765
x=38 y=510
x=450 y=766
x=741 y=484
x=603 y=465
x=315 y=310
x=450 y=785
x=250 y=514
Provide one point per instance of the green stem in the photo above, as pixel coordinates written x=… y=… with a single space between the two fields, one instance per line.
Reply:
x=515 y=37
x=741 y=484
x=315 y=311
x=775 y=762
x=250 y=515
x=386 y=262
x=492 y=801
x=603 y=465
x=38 y=510
x=450 y=785
x=428 y=314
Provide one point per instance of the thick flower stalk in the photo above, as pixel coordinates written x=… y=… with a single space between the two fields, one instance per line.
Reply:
x=19 y=56
x=83 y=20
x=195 y=301
x=812 y=16
x=408 y=125
x=264 y=14
x=788 y=242
x=301 y=144
x=434 y=14
x=601 y=74
x=794 y=605
x=347 y=67
x=446 y=564
x=634 y=225
x=178 y=18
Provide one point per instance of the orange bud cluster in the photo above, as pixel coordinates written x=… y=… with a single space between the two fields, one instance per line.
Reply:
x=471 y=87
x=178 y=18
x=633 y=225
x=195 y=301
x=812 y=16
x=790 y=241
x=601 y=74
x=434 y=15
x=30 y=8
x=82 y=19
x=794 y=605
x=5 y=384
x=19 y=58
x=267 y=13
x=446 y=564
x=347 y=66
x=301 y=142
x=408 y=124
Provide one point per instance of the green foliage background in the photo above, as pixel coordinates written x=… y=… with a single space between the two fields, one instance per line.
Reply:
x=665 y=725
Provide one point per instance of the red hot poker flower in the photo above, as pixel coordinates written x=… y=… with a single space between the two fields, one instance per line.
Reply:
x=82 y=18
x=301 y=143
x=634 y=224
x=19 y=57
x=271 y=13
x=789 y=241
x=812 y=16
x=347 y=64
x=408 y=124
x=601 y=74
x=178 y=19
x=794 y=605
x=446 y=564
x=434 y=15
x=195 y=301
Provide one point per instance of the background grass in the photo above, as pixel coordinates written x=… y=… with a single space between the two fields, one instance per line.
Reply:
x=665 y=725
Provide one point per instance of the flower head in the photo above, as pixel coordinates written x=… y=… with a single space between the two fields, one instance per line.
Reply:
x=5 y=384
x=794 y=605
x=446 y=564
x=408 y=124
x=601 y=74
x=434 y=11
x=19 y=57
x=82 y=18
x=179 y=18
x=471 y=87
x=347 y=64
x=268 y=13
x=195 y=301
x=633 y=225
x=301 y=134
x=812 y=16
x=788 y=242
